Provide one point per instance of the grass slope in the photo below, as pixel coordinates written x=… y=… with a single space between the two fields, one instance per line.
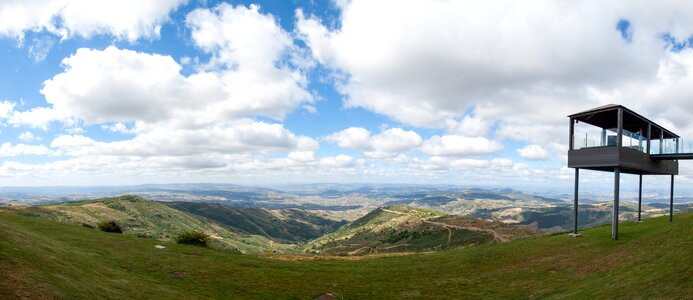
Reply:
x=44 y=259
x=399 y=228
x=148 y=219
x=288 y=225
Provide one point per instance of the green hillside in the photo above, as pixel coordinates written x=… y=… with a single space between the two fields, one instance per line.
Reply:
x=286 y=226
x=148 y=219
x=45 y=259
x=399 y=228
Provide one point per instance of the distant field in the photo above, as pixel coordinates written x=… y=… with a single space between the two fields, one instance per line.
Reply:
x=46 y=259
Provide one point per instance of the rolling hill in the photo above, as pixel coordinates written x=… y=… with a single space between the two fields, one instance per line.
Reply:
x=149 y=219
x=399 y=228
x=284 y=226
x=47 y=259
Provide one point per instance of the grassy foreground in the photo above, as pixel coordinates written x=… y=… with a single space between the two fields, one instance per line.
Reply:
x=47 y=259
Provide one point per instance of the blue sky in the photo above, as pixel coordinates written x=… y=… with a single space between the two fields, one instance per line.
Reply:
x=320 y=91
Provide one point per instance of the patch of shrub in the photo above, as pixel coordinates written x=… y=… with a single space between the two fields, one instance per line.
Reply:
x=193 y=238
x=117 y=206
x=110 y=226
x=88 y=225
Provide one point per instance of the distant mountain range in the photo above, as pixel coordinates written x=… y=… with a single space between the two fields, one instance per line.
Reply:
x=351 y=201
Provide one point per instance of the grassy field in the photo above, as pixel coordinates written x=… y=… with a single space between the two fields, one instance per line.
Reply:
x=46 y=259
x=151 y=219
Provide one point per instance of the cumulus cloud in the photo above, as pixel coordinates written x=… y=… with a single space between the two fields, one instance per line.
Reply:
x=384 y=144
x=6 y=108
x=179 y=125
x=26 y=136
x=475 y=73
x=511 y=63
x=457 y=145
x=37 y=117
x=533 y=152
x=118 y=127
x=242 y=136
x=7 y=149
x=120 y=85
x=253 y=48
x=124 y=19
x=339 y=161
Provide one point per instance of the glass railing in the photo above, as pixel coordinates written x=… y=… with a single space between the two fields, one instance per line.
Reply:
x=606 y=138
x=669 y=146
x=588 y=136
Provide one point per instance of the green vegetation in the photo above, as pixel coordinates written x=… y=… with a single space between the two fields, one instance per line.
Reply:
x=193 y=238
x=44 y=259
x=150 y=219
x=284 y=226
x=109 y=226
x=399 y=228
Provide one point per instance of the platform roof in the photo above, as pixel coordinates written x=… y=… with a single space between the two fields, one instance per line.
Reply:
x=607 y=117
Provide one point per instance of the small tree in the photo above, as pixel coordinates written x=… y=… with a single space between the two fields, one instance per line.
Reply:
x=193 y=238
x=110 y=226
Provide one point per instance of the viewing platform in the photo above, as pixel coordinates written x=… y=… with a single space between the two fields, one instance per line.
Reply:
x=613 y=138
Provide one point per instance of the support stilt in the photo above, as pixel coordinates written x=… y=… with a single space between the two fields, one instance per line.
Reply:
x=671 y=200
x=575 y=204
x=614 y=219
x=640 y=199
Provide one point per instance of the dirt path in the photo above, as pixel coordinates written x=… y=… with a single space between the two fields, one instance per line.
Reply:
x=393 y=211
x=495 y=234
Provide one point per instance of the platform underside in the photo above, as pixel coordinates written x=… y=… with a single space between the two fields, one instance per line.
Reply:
x=629 y=160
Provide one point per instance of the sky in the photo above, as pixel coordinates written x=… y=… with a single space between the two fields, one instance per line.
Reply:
x=432 y=92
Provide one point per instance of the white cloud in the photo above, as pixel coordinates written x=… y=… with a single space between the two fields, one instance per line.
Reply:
x=39 y=48
x=241 y=136
x=6 y=108
x=7 y=149
x=118 y=127
x=384 y=144
x=468 y=126
x=37 y=117
x=123 y=85
x=456 y=145
x=117 y=85
x=533 y=152
x=352 y=137
x=251 y=47
x=201 y=120
x=517 y=64
x=26 y=136
x=124 y=19
x=302 y=156
x=339 y=161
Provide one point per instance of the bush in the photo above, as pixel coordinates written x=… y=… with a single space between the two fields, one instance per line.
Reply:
x=110 y=226
x=193 y=238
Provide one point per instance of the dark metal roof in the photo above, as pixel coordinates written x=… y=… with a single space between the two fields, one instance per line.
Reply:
x=606 y=116
x=597 y=109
